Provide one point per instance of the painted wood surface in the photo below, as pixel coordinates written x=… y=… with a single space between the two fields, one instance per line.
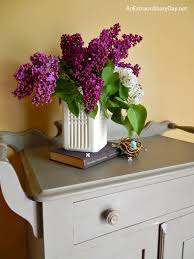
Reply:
x=162 y=154
x=178 y=238
x=125 y=244
x=134 y=206
x=188 y=249
x=58 y=229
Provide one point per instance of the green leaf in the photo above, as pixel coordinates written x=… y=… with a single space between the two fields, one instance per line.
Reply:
x=112 y=104
x=105 y=111
x=137 y=115
x=60 y=85
x=110 y=64
x=123 y=92
x=64 y=85
x=114 y=78
x=66 y=98
x=74 y=107
x=111 y=89
x=103 y=99
x=106 y=74
x=117 y=116
x=78 y=97
x=122 y=103
x=106 y=90
x=111 y=83
x=128 y=126
x=64 y=70
x=94 y=112
x=67 y=91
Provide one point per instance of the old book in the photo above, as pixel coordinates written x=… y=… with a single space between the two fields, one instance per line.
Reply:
x=84 y=159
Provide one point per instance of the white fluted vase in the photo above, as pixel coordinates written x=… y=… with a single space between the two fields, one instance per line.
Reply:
x=84 y=133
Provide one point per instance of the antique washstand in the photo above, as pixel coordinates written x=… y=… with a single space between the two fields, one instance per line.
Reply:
x=116 y=210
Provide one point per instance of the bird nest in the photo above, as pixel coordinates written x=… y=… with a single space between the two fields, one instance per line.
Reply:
x=126 y=147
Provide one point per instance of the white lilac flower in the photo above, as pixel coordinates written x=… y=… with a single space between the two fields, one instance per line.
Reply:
x=127 y=77
x=135 y=94
x=129 y=80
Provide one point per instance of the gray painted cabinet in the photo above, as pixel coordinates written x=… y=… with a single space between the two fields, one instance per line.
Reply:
x=178 y=238
x=125 y=244
x=142 y=209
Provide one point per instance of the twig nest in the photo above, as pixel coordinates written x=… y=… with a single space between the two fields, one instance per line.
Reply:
x=129 y=147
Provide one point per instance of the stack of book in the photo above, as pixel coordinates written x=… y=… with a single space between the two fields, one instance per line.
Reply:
x=84 y=159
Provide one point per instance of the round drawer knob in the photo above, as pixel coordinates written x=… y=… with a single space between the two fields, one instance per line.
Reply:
x=112 y=217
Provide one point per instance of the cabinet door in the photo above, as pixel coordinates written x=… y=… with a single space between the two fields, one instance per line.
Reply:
x=122 y=244
x=177 y=238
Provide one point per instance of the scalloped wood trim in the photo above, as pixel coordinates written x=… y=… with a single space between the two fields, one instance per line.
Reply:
x=16 y=199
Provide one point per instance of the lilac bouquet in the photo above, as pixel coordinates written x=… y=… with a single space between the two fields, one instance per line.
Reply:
x=88 y=77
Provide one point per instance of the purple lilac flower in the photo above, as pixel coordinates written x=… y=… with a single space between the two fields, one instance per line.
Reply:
x=45 y=74
x=121 y=47
x=87 y=62
x=91 y=92
x=91 y=86
x=108 y=36
x=81 y=62
x=73 y=50
x=24 y=81
x=99 y=49
x=136 y=69
x=38 y=79
x=98 y=54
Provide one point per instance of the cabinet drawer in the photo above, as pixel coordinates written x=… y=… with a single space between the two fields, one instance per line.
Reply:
x=122 y=244
x=92 y=217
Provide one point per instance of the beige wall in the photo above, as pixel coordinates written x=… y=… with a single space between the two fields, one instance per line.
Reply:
x=166 y=54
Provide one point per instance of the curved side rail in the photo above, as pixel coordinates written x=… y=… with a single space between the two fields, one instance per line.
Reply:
x=30 y=138
x=188 y=129
x=3 y=151
x=14 y=195
x=153 y=128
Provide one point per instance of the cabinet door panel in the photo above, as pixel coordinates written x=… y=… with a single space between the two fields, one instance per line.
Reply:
x=188 y=249
x=177 y=240
x=123 y=244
